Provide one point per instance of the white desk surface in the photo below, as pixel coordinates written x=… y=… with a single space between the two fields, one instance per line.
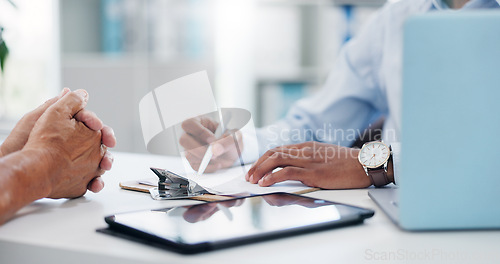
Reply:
x=63 y=231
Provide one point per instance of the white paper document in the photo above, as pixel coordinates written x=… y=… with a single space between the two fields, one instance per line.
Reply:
x=232 y=181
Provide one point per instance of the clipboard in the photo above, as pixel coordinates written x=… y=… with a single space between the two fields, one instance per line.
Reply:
x=175 y=181
x=144 y=188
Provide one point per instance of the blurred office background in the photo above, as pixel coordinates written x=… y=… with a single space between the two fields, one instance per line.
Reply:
x=261 y=55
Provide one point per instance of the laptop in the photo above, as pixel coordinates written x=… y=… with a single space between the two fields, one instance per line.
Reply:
x=450 y=160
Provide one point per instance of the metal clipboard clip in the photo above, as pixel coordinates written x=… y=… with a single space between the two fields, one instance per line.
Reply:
x=174 y=186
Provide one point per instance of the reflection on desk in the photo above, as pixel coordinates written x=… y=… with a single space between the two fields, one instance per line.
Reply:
x=63 y=231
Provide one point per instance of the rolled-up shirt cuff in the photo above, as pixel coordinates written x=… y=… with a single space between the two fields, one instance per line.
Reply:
x=396 y=155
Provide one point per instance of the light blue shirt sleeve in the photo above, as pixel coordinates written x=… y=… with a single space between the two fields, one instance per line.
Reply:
x=344 y=107
x=396 y=156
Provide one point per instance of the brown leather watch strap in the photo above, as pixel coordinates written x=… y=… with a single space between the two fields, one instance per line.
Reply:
x=378 y=177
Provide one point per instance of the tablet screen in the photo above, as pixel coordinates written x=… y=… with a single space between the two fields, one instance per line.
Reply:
x=238 y=218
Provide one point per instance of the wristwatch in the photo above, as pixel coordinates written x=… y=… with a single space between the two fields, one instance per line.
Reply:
x=374 y=157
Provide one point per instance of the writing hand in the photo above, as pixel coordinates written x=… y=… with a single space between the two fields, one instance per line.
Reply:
x=68 y=149
x=199 y=132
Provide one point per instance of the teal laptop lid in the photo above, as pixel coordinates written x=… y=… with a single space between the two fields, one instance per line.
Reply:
x=451 y=122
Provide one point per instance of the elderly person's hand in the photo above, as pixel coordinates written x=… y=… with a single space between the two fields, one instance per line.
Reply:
x=69 y=150
x=19 y=136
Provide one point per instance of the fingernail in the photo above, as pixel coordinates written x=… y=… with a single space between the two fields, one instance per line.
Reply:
x=260 y=181
x=63 y=91
x=102 y=183
x=97 y=185
x=82 y=93
x=110 y=156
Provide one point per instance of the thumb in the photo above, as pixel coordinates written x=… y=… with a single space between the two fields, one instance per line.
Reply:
x=71 y=103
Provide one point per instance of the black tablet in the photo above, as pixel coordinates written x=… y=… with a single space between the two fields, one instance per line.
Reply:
x=222 y=224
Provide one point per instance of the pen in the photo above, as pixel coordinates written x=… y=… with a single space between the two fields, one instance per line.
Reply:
x=208 y=154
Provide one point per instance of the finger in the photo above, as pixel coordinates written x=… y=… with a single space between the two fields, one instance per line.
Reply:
x=223 y=145
x=196 y=154
x=294 y=151
x=100 y=172
x=96 y=185
x=276 y=160
x=24 y=126
x=193 y=159
x=286 y=174
x=90 y=119
x=108 y=137
x=64 y=91
x=71 y=103
x=196 y=129
x=263 y=158
x=188 y=142
x=209 y=123
x=106 y=161
x=41 y=109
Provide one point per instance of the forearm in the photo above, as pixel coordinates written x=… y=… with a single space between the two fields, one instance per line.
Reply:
x=23 y=177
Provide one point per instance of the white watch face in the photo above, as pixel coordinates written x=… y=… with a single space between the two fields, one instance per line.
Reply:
x=374 y=154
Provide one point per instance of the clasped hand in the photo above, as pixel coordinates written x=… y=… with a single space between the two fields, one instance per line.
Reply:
x=72 y=141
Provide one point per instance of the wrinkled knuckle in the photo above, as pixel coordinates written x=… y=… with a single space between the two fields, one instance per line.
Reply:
x=271 y=152
x=75 y=97
x=258 y=171
x=276 y=156
x=104 y=149
x=275 y=149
